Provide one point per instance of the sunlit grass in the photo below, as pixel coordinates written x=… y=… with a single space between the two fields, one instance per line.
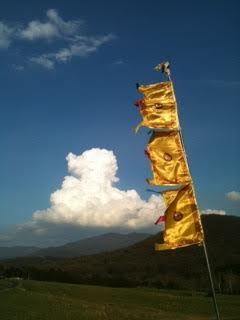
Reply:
x=28 y=300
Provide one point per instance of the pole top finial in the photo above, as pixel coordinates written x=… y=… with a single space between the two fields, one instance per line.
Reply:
x=164 y=67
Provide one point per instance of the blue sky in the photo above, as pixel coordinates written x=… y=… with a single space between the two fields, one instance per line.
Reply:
x=68 y=74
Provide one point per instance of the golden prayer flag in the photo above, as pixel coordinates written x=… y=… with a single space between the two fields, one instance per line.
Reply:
x=167 y=159
x=182 y=220
x=158 y=106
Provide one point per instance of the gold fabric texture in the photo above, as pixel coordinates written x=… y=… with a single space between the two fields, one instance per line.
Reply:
x=158 y=109
x=182 y=221
x=168 y=162
x=167 y=159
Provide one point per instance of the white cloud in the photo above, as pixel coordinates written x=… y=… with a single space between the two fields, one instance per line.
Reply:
x=6 y=34
x=43 y=61
x=54 y=27
x=233 y=196
x=88 y=197
x=38 y=30
x=66 y=36
x=214 y=211
x=118 y=62
x=82 y=47
x=63 y=55
x=77 y=45
x=66 y=28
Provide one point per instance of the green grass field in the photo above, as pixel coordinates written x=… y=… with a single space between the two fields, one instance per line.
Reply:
x=33 y=300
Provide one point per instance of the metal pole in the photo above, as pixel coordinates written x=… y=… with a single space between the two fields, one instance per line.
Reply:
x=211 y=281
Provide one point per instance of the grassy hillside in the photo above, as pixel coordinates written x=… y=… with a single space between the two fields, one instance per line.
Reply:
x=32 y=300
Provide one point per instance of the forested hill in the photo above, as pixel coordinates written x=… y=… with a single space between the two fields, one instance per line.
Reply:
x=140 y=265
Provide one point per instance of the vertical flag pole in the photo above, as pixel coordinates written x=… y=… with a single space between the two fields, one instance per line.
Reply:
x=164 y=68
x=211 y=280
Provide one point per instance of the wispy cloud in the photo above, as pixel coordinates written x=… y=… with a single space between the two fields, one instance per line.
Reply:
x=82 y=47
x=43 y=61
x=54 y=27
x=66 y=35
x=6 y=35
x=37 y=30
x=233 y=196
x=118 y=62
x=79 y=46
x=214 y=211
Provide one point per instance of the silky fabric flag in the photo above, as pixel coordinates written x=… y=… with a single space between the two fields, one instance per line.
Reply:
x=167 y=159
x=182 y=220
x=158 y=106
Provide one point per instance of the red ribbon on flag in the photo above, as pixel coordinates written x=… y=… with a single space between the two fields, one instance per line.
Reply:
x=138 y=103
x=147 y=154
x=161 y=219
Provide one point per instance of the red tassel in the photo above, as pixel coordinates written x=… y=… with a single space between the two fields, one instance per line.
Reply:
x=138 y=103
x=147 y=153
x=161 y=219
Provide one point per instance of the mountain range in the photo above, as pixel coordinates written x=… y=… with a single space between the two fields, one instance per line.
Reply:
x=139 y=265
x=93 y=245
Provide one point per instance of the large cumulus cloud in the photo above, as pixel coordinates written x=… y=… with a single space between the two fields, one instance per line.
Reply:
x=88 y=197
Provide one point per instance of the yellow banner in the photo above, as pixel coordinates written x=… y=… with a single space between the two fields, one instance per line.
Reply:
x=158 y=107
x=182 y=220
x=167 y=159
